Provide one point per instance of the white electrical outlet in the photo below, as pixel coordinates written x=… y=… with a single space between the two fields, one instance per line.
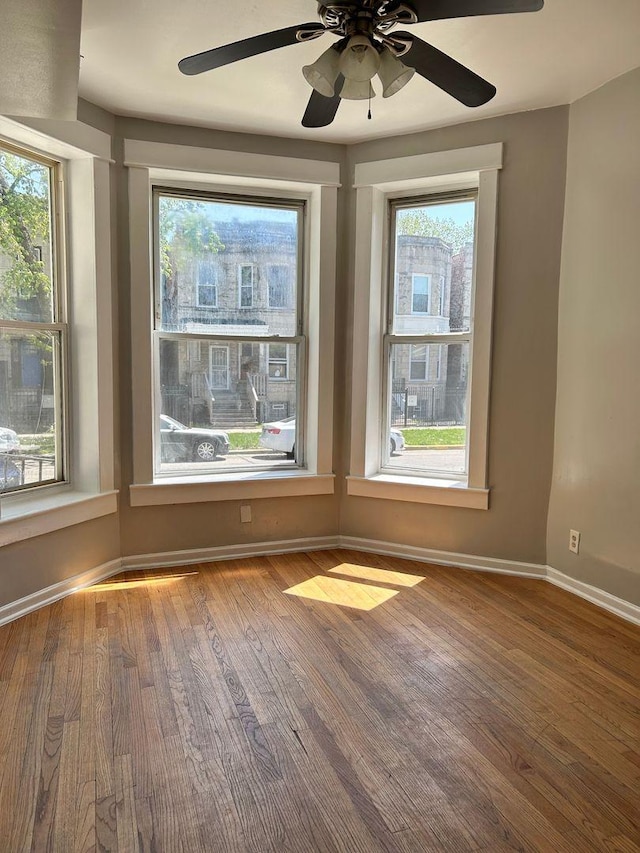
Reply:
x=574 y=541
x=245 y=513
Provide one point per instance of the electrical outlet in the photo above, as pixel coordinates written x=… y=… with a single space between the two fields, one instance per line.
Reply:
x=245 y=513
x=574 y=541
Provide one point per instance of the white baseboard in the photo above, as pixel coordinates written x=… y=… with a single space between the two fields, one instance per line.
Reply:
x=48 y=595
x=625 y=609
x=445 y=558
x=228 y=552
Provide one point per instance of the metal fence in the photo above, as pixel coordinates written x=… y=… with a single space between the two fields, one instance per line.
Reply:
x=427 y=405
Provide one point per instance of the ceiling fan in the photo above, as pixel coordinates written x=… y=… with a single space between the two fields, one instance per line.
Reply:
x=366 y=47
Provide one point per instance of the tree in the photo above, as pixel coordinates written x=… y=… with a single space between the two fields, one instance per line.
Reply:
x=186 y=234
x=417 y=222
x=24 y=230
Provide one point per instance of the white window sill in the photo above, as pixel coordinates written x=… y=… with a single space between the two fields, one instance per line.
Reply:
x=233 y=486
x=23 y=517
x=424 y=490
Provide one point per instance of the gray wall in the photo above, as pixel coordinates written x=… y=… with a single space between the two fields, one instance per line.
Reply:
x=596 y=461
x=596 y=472
x=530 y=211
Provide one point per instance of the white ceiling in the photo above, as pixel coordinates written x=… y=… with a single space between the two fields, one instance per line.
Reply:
x=131 y=49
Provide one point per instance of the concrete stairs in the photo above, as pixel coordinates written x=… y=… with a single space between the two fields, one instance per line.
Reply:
x=232 y=410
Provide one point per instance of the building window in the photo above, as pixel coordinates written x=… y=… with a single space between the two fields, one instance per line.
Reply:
x=423 y=372
x=419 y=355
x=33 y=328
x=224 y=384
x=207 y=296
x=278 y=277
x=245 y=285
x=420 y=293
x=278 y=361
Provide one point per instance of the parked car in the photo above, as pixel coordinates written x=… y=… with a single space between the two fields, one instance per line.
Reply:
x=10 y=474
x=9 y=441
x=281 y=435
x=396 y=439
x=179 y=443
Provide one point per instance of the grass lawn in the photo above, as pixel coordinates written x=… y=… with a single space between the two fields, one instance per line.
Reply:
x=244 y=440
x=440 y=436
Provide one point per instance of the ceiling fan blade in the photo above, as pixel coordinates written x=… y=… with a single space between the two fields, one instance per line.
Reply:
x=455 y=79
x=438 y=10
x=218 y=56
x=321 y=110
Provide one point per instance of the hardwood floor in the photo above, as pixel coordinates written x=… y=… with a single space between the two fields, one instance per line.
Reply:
x=218 y=708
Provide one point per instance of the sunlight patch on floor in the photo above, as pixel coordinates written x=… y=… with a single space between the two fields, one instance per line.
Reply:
x=346 y=593
x=378 y=575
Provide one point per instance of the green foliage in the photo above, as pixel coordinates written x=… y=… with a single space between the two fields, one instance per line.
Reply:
x=417 y=222
x=434 y=436
x=24 y=224
x=185 y=232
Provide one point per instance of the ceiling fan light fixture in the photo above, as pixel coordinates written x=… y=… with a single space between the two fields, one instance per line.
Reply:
x=321 y=75
x=357 y=90
x=393 y=74
x=359 y=61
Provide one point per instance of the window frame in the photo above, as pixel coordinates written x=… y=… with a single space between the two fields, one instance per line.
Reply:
x=58 y=326
x=376 y=183
x=268 y=176
x=84 y=215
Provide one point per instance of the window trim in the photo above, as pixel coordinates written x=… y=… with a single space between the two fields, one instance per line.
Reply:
x=376 y=183
x=85 y=154
x=316 y=182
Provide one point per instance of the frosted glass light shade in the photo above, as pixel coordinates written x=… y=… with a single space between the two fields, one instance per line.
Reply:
x=392 y=73
x=359 y=61
x=321 y=74
x=354 y=90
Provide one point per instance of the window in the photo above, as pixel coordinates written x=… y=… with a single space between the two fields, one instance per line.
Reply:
x=247 y=187
x=207 y=296
x=422 y=325
x=278 y=277
x=33 y=331
x=56 y=410
x=445 y=227
x=278 y=361
x=224 y=382
x=419 y=355
x=245 y=285
x=420 y=294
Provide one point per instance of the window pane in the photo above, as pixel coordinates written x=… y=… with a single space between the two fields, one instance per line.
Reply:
x=26 y=256
x=433 y=266
x=428 y=406
x=29 y=384
x=215 y=398
x=247 y=253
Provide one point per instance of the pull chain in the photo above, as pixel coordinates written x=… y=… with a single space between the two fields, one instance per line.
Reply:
x=369 y=113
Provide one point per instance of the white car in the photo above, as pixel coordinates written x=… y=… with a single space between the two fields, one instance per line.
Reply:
x=281 y=435
x=9 y=441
